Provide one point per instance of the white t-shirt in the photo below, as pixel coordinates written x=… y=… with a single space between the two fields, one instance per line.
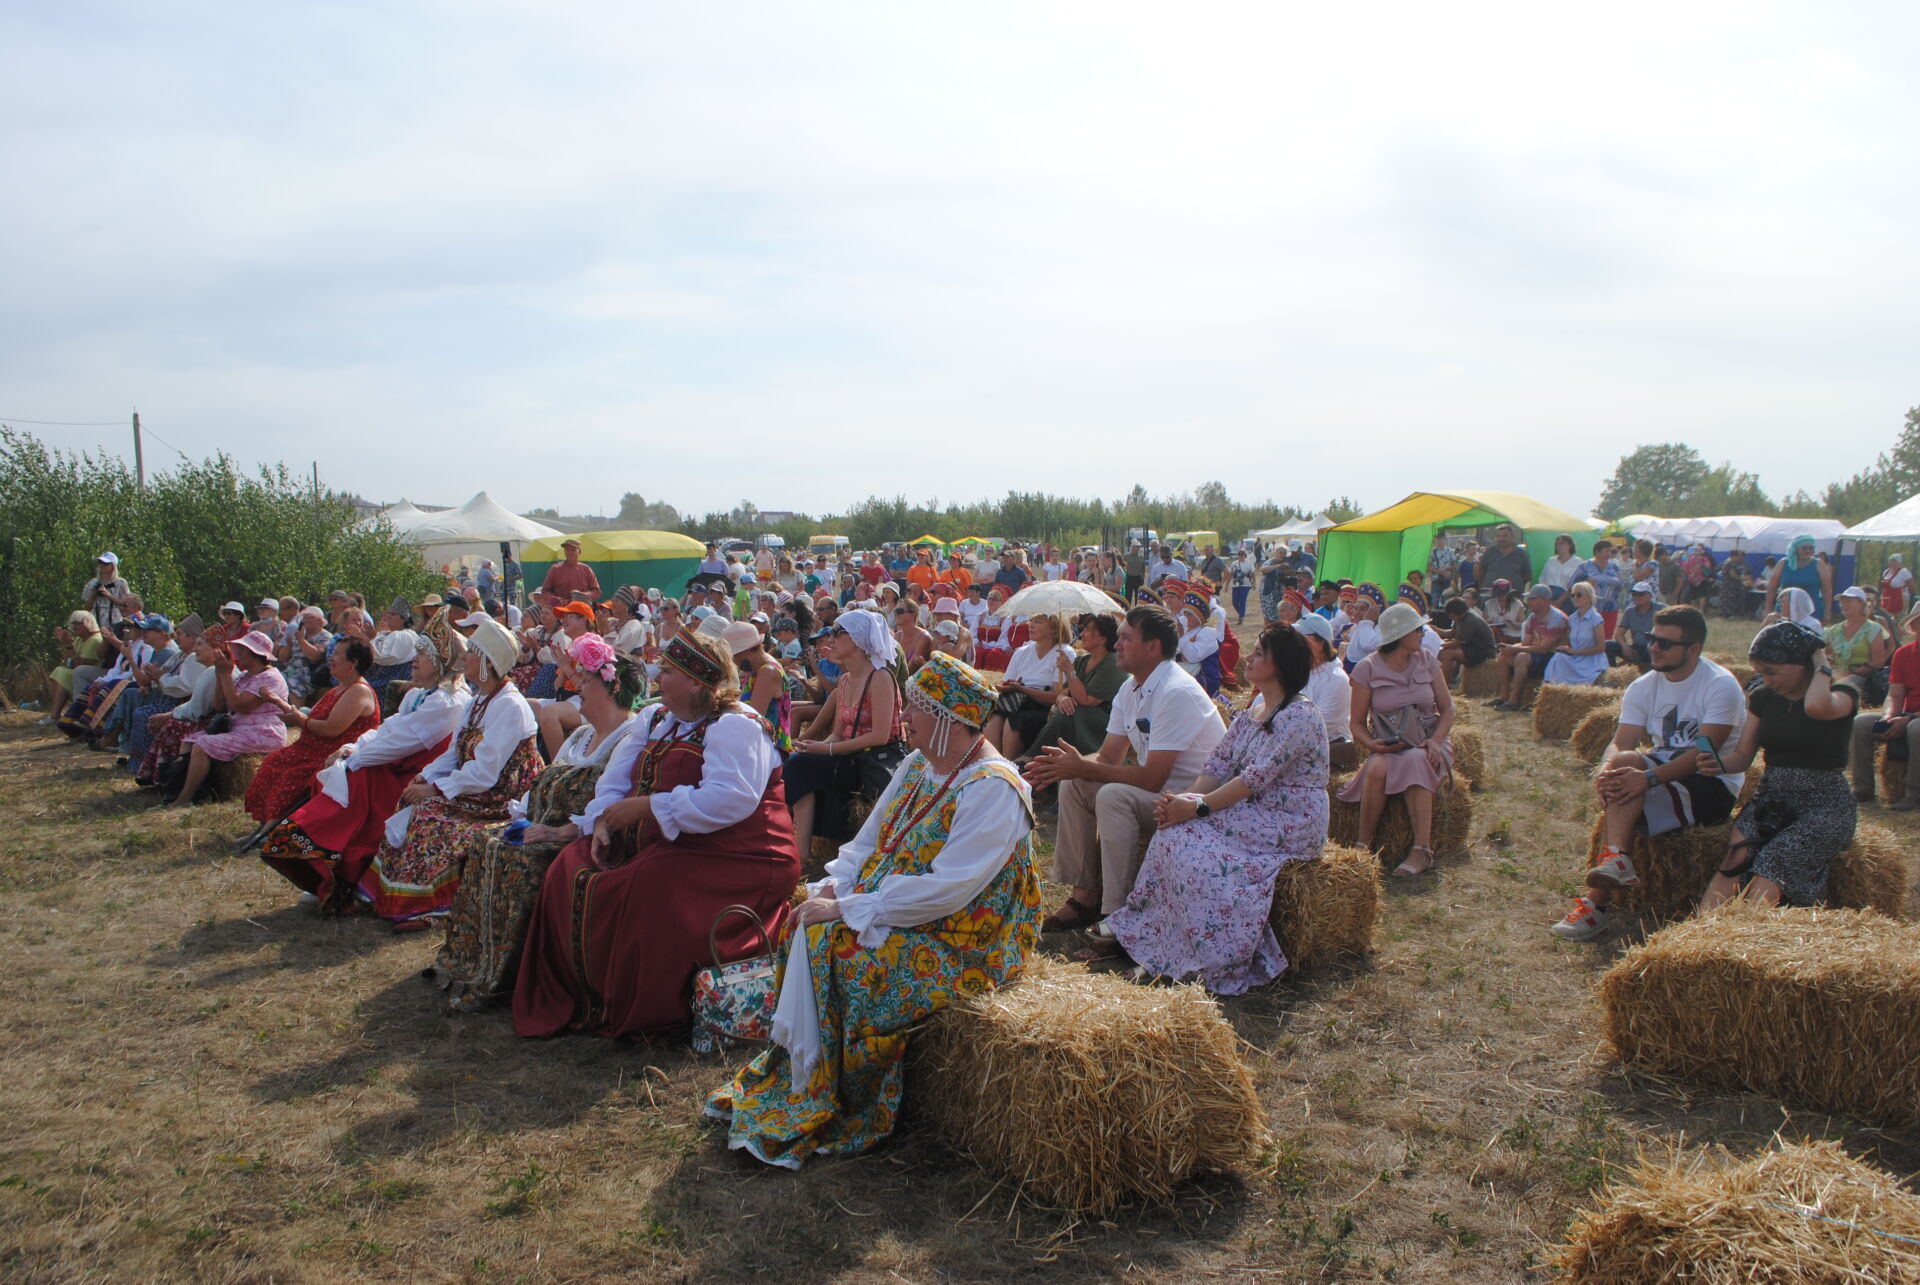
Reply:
x=1028 y=666
x=1673 y=713
x=1179 y=715
x=1556 y=574
x=985 y=570
x=1331 y=692
x=631 y=638
x=1053 y=570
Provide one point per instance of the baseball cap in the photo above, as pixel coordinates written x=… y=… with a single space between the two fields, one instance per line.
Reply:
x=1645 y=586
x=1854 y=591
x=1316 y=624
x=1540 y=591
x=156 y=621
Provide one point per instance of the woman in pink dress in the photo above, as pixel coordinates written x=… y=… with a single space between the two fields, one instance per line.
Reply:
x=1199 y=907
x=248 y=682
x=1402 y=713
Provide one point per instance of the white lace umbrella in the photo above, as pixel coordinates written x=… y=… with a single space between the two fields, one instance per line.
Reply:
x=1060 y=597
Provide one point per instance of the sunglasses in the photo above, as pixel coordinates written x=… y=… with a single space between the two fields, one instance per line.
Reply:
x=1655 y=640
x=836 y=632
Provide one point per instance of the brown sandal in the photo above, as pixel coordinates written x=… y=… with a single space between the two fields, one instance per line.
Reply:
x=1098 y=948
x=1074 y=914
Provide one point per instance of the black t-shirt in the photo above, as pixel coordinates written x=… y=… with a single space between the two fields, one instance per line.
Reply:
x=1475 y=638
x=1791 y=739
x=1515 y=566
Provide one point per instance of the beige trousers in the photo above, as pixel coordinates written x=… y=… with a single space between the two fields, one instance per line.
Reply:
x=1102 y=838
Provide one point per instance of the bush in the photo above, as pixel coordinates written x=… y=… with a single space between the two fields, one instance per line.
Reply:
x=194 y=538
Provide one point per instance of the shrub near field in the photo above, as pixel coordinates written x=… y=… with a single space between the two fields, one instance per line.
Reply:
x=193 y=538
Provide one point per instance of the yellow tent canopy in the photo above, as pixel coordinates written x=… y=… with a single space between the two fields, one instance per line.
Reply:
x=924 y=540
x=1384 y=546
x=662 y=560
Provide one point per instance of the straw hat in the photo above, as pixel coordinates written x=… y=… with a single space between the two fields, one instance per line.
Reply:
x=1397 y=621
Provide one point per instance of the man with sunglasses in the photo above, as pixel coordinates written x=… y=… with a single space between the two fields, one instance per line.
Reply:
x=1170 y=724
x=1684 y=699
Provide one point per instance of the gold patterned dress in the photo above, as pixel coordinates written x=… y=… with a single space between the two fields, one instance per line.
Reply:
x=906 y=947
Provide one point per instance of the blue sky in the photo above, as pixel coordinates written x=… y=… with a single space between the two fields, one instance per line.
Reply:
x=805 y=253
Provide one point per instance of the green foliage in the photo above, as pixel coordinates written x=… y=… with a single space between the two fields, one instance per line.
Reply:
x=637 y=514
x=1893 y=477
x=194 y=538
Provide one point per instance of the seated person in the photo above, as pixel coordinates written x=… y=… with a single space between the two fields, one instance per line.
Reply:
x=1898 y=726
x=248 y=684
x=1402 y=713
x=1329 y=689
x=1581 y=657
x=82 y=649
x=167 y=728
x=500 y=882
x=936 y=897
x=1629 y=642
x=861 y=717
x=1505 y=611
x=1085 y=698
x=492 y=761
x=1199 y=909
x=164 y=688
x=1468 y=642
x=345 y=711
x=1031 y=685
x=689 y=818
x=1540 y=637
x=325 y=846
x=1684 y=697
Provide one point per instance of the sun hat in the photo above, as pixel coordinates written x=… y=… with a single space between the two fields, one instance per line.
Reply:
x=569 y=541
x=235 y=606
x=946 y=606
x=1316 y=624
x=253 y=642
x=947 y=629
x=1502 y=585
x=271 y=604
x=700 y=612
x=1397 y=621
x=758 y=618
x=713 y=626
x=740 y=636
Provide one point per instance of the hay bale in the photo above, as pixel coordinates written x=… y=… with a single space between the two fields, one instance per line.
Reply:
x=1738 y=666
x=1480 y=682
x=1789 y=1216
x=228 y=781
x=1673 y=869
x=1089 y=1090
x=1874 y=873
x=1593 y=737
x=1326 y=907
x=1621 y=676
x=1560 y=707
x=1893 y=778
x=1814 y=1007
x=1469 y=755
x=1393 y=837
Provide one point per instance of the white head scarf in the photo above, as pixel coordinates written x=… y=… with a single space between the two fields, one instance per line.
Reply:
x=1796 y=604
x=870 y=634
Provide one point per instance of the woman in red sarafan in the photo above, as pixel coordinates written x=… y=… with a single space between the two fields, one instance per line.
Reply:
x=342 y=714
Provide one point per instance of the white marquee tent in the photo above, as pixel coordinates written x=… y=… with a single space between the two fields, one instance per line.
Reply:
x=1898 y=525
x=474 y=530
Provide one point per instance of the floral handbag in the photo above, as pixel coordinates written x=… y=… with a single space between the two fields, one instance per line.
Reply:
x=734 y=1001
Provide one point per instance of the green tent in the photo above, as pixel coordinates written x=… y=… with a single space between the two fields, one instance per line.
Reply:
x=663 y=560
x=1384 y=546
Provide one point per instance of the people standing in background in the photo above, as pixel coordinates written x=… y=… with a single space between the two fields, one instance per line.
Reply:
x=1896 y=587
x=1801 y=569
x=107 y=596
x=1244 y=568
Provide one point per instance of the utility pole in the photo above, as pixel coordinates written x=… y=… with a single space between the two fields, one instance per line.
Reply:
x=139 y=456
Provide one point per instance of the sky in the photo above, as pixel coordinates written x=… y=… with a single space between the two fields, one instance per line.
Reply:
x=800 y=254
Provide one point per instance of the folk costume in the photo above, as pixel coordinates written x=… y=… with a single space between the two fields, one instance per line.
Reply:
x=938 y=899
x=285 y=777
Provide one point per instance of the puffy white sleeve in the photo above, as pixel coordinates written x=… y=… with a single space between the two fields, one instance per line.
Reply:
x=180 y=682
x=1200 y=644
x=507 y=722
x=616 y=778
x=988 y=821
x=410 y=731
x=740 y=757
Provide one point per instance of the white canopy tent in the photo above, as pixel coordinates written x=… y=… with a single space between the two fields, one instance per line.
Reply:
x=474 y=530
x=1296 y=529
x=1898 y=525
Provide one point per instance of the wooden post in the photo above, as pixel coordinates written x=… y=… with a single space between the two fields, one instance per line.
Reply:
x=139 y=454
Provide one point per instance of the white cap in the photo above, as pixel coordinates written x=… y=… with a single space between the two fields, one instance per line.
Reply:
x=1854 y=591
x=109 y=557
x=235 y=606
x=1645 y=586
x=271 y=604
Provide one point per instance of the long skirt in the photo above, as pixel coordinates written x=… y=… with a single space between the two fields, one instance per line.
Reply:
x=499 y=885
x=167 y=743
x=1801 y=819
x=139 y=739
x=325 y=847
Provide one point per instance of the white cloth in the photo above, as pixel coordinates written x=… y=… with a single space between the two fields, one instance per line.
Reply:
x=426 y=717
x=183 y=678
x=505 y=722
x=200 y=704
x=739 y=762
x=1028 y=666
x=1674 y=712
x=631 y=637
x=1331 y=692
x=796 y=1018
x=1430 y=640
x=1179 y=716
x=1198 y=644
x=395 y=647
x=1363 y=641
x=1053 y=570
x=1555 y=574
x=576 y=751
x=1161 y=570
x=1796 y=604
x=972 y=613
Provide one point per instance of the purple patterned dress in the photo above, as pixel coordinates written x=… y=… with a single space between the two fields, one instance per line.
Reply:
x=1199 y=907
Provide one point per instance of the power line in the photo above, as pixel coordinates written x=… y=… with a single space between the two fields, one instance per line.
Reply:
x=66 y=423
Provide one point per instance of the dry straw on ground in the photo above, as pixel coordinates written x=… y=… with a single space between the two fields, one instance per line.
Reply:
x=1089 y=1090
x=1738 y=666
x=1560 y=707
x=1813 y=1007
x=1799 y=1215
x=1469 y=755
x=1393 y=837
x=1594 y=736
x=1326 y=907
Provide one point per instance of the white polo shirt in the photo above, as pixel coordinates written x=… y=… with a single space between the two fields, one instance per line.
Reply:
x=1177 y=714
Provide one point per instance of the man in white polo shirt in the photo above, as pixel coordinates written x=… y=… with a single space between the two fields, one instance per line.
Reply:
x=1106 y=804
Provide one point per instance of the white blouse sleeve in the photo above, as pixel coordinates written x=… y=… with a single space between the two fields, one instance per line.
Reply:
x=1200 y=644
x=740 y=757
x=616 y=778
x=507 y=722
x=988 y=821
x=409 y=732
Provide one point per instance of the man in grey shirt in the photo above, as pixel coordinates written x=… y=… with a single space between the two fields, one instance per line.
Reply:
x=1506 y=560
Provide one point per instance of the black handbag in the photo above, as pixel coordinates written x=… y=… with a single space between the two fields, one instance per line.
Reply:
x=877 y=766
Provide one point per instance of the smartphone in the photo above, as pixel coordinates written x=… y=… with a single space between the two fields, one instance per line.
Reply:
x=1882 y=726
x=1705 y=746
x=1391 y=747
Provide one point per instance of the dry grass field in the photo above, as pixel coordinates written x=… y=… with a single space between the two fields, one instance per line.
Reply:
x=205 y=1082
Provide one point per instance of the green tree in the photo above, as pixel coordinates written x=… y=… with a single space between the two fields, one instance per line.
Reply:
x=1893 y=477
x=1654 y=479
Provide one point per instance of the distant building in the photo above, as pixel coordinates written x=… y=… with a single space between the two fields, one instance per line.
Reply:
x=773 y=517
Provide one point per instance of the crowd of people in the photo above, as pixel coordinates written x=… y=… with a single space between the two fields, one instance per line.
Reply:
x=580 y=791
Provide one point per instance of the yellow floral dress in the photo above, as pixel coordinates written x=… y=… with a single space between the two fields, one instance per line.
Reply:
x=868 y=998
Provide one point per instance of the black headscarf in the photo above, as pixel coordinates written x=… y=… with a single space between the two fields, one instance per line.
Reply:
x=1785 y=643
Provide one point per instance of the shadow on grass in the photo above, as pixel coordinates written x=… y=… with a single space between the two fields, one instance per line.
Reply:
x=303 y=939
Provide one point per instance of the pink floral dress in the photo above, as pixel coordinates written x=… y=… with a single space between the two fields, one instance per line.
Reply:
x=1199 y=907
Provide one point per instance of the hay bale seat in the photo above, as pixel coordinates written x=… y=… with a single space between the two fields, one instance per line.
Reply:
x=1481 y=681
x=1788 y=1216
x=1089 y=1090
x=1620 y=676
x=1469 y=755
x=229 y=780
x=1393 y=837
x=1594 y=736
x=1560 y=707
x=1813 y=1007
x=1739 y=666
x=1326 y=908
x=1873 y=873
x=1893 y=777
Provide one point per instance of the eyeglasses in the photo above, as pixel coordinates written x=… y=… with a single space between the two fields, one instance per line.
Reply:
x=1655 y=640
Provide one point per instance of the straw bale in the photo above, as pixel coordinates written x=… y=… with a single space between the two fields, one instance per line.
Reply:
x=1469 y=755
x=1087 y=1089
x=1594 y=736
x=1621 y=676
x=1480 y=682
x=229 y=780
x=1738 y=666
x=1673 y=869
x=1893 y=778
x=1814 y=1007
x=1326 y=907
x=1560 y=707
x=1393 y=837
x=1874 y=873
x=1799 y=1215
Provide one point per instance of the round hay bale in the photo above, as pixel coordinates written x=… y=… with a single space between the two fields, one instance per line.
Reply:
x=229 y=780
x=1813 y=1007
x=1874 y=873
x=1673 y=869
x=1088 y=1090
x=1480 y=682
x=1393 y=837
x=1469 y=755
x=1560 y=707
x=1789 y=1215
x=1326 y=907
x=1594 y=736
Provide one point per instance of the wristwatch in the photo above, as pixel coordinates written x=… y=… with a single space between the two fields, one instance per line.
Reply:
x=1202 y=809
x=1653 y=779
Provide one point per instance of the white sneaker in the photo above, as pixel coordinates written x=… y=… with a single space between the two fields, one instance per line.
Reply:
x=1613 y=871
x=306 y=899
x=44 y=722
x=1583 y=923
